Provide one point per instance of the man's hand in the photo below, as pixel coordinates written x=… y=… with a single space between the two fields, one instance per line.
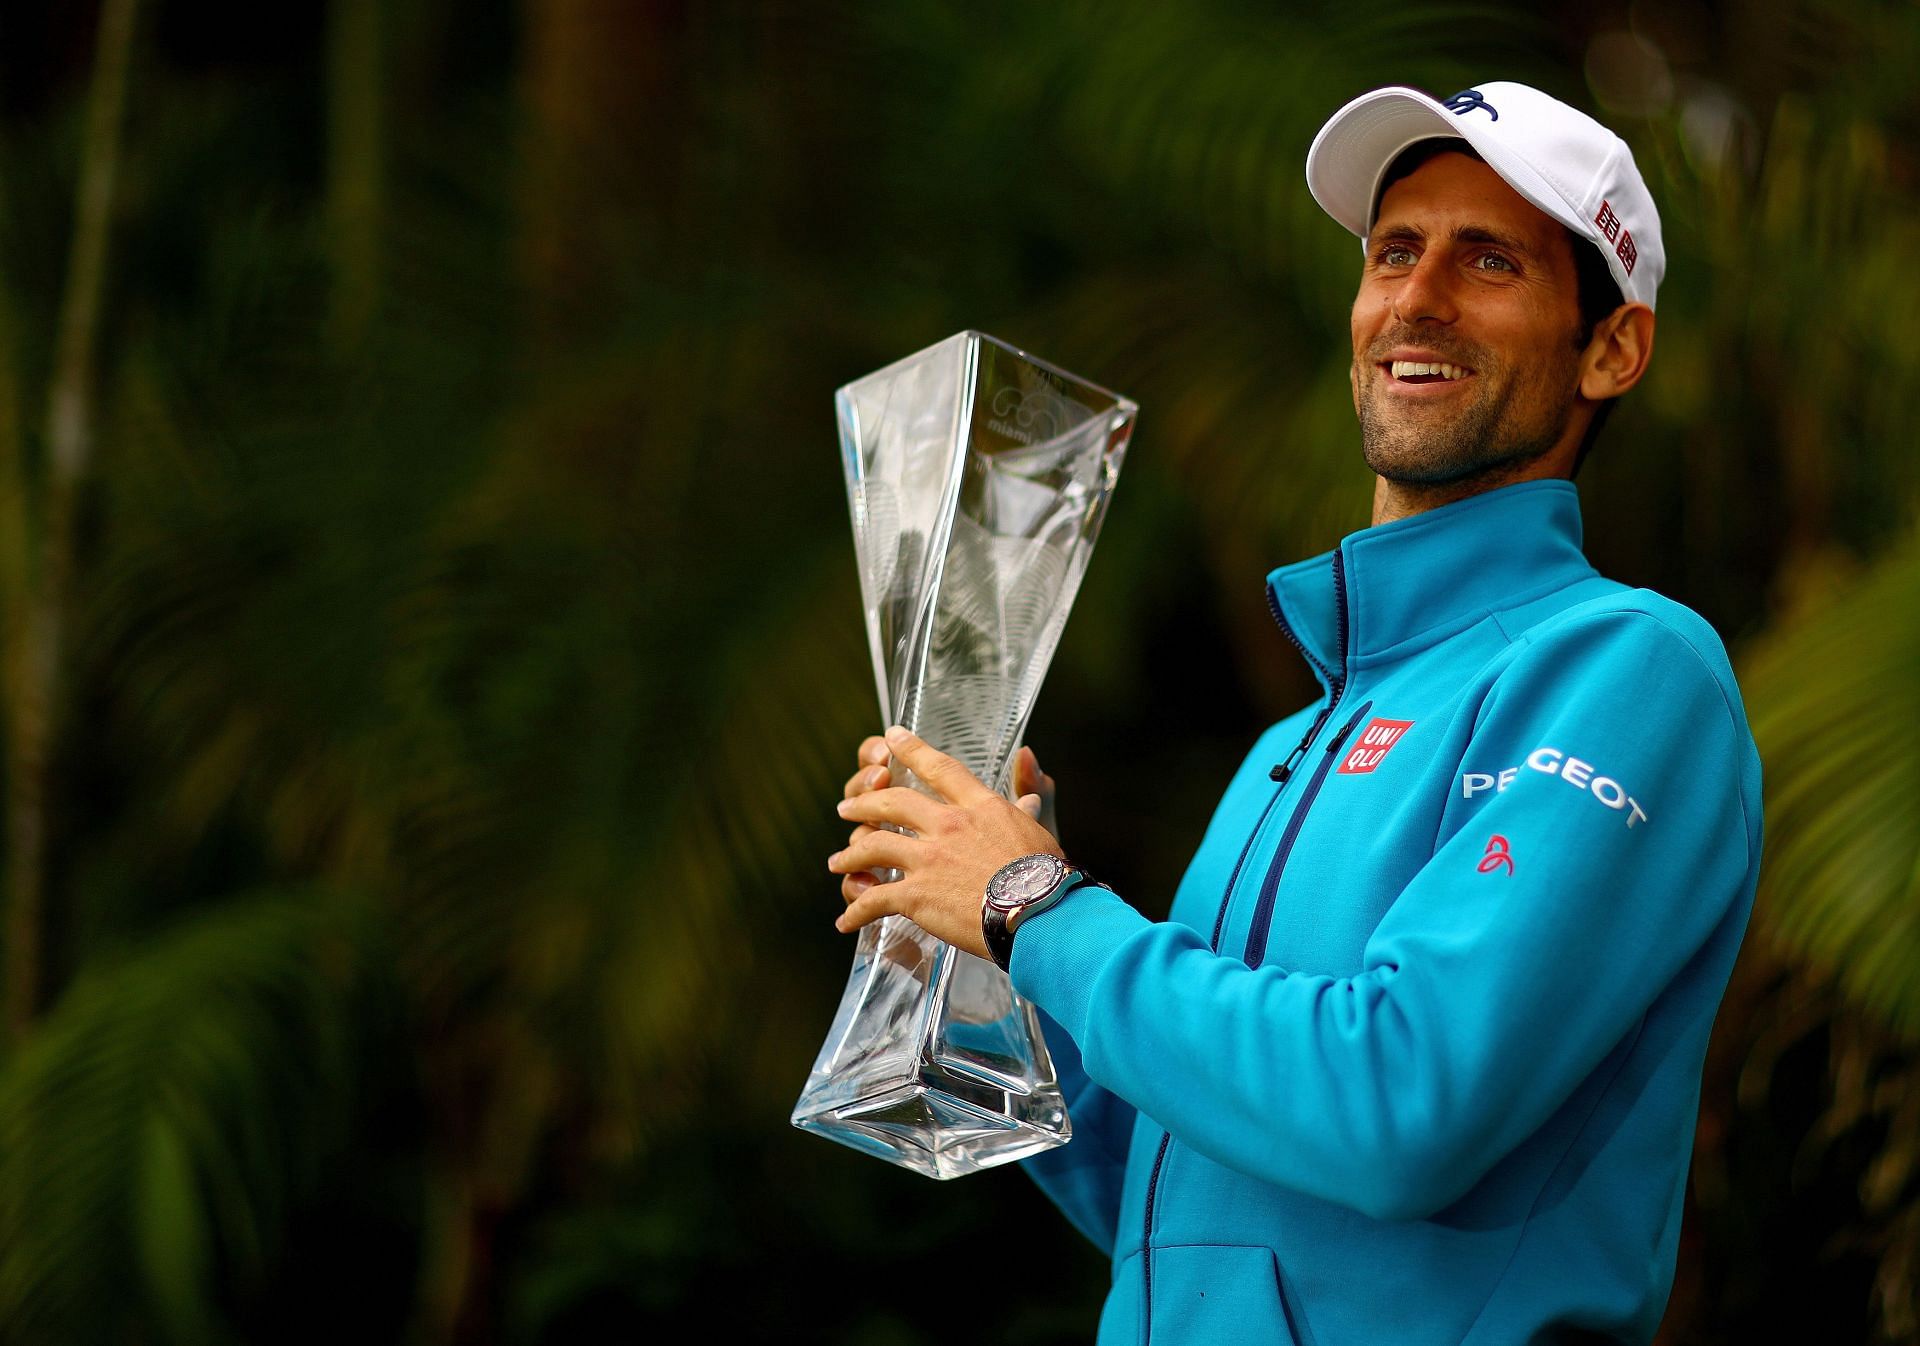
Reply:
x=960 y=840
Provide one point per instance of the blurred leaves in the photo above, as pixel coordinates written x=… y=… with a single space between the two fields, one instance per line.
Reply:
x=1827 y=689
x=1838 y=915
x=175 y=1105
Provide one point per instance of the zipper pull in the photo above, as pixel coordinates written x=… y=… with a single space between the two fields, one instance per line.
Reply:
x=1280 y=773
x=1334 y=744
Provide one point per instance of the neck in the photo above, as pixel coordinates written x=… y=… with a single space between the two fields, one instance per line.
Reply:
x=1403 y=499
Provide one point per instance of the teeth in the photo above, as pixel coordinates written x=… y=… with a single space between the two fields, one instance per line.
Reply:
x=1408 y=368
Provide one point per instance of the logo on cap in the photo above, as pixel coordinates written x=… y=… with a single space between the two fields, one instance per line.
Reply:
x=1609 y=224
x=1466 y=101
x=1608 y=221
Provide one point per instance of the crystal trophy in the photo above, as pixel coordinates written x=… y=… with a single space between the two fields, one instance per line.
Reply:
x=977 y=477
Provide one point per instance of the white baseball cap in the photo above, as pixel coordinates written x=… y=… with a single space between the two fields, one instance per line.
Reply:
x=1557 y=157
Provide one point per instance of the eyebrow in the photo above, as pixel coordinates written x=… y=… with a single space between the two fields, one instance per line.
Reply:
x=1466 y=233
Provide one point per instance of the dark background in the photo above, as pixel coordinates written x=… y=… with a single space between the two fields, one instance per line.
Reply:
x=432 y=643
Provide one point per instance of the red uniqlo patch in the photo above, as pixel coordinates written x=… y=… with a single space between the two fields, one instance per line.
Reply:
x=1608 y=221
x=1374 y=743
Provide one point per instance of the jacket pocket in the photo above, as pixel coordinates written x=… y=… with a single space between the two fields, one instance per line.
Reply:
x=1218 y=1293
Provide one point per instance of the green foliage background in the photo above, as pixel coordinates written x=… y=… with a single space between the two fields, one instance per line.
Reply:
x=432 y=643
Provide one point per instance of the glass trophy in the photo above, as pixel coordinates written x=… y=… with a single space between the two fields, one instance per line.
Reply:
x=977 y=477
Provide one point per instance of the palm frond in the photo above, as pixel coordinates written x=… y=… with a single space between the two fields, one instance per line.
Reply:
x=1828 y=693
x=174 y=1106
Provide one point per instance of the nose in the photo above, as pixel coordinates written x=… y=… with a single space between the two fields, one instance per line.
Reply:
x=1425 y=294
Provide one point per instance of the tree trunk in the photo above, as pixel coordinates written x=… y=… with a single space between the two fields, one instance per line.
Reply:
x=596 y=86
x=356 y=164
x=38 y=639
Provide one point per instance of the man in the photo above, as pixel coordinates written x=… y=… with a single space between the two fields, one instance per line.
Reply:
x=1417 y=1056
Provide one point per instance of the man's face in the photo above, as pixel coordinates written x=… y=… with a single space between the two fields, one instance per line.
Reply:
x=1463 y=272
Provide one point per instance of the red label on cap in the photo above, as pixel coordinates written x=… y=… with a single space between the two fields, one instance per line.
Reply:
x=1628 y=253
x=1608 y=221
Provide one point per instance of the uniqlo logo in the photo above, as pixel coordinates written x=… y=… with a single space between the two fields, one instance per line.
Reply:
x=1628 y=253
x=1374 y=743
x=1608 y=221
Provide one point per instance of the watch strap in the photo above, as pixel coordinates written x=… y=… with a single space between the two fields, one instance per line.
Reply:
x=1000 y=926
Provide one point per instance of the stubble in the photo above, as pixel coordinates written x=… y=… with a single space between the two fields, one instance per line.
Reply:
x=1511 y=421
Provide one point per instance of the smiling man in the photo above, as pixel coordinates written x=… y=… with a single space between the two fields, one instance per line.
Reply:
x=1416 y=1057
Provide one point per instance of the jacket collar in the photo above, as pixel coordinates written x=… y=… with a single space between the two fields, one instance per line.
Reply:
x=1398 y=587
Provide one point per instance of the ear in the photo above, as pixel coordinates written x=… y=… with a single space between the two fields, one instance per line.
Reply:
x=1617 y=354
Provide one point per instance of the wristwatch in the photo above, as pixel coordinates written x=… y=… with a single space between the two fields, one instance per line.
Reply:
x=1021 y=889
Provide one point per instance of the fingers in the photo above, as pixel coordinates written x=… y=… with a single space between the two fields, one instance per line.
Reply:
x=878 y=849
x=900 y=807
x=860 y=880
x=1035 y=789
x=881 y=900
x=1028 y=778
x=873 y=755
x=951 y=780
x=865 y=779
x=1026 y=772
x=872 y=775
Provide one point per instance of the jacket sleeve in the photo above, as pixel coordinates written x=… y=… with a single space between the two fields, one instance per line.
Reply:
x=1484 y=997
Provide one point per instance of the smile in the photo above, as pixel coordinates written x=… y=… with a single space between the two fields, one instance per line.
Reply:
x=1424 y=371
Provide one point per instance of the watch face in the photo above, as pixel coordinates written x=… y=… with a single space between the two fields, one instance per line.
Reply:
x=1027 y=879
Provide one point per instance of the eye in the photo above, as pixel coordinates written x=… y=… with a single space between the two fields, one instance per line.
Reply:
x=1493 y=261
x=1397 y=254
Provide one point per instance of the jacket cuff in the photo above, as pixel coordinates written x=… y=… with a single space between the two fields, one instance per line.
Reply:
x=1058 y=954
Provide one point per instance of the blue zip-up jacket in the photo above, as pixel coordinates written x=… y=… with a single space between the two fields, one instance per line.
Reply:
x=1417 y=1056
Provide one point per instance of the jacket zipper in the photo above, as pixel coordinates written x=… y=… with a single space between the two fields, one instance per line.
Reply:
x=1219 y=922
x=1336 y=684
x=1160 y=1155
x=1336 y=678
x=1336 y=688
x=1270 y=886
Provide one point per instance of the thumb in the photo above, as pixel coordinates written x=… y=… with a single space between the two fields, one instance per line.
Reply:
x=1030 y=805
x=1026 y=770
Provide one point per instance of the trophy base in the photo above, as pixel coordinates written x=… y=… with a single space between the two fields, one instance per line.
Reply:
x=933 y=1062
x=933 y=1130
